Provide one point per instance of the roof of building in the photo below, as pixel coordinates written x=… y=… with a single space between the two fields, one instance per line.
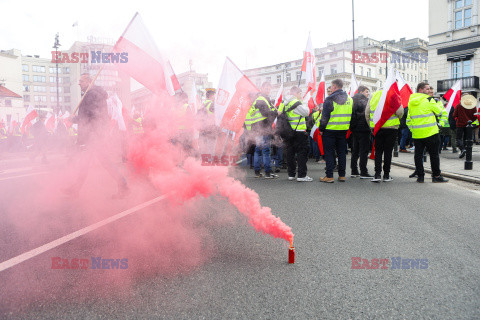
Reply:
x=4 y=92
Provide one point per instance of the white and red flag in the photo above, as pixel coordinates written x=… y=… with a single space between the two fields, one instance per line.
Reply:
x=354 y=84
x=193 y=99
x=232 y=102
x=145 y=63
x=115 y=106
x=308 y=99
x=320 y=97
x=453 y=95
x=404 y=88
x=29 y=118
x=171 y=79
x=389 y=102
x=279 y=97
x=308 y=66
x=50 y=122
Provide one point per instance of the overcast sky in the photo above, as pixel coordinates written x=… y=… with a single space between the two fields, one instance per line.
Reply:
x=251 y=33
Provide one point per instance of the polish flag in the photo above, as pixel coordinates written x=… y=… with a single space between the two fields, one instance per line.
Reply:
x=320 y=97
x=115 y=107
x=232 y=103
x=404 y=88
x=453 y=95
x=279 y=97
x=307 y=98
x=389 y=102
x=145 y=63
x=50 y=122
x=354 y=84
x=171 y=79
x=308 y=65
x=29 y=118
x=193 y=99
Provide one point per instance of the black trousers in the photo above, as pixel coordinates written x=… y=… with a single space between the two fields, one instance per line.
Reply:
x=384 y=142
x=461 y=137
x=360 y=148
x=431 y=144
x=335 y=140
x=298 y=146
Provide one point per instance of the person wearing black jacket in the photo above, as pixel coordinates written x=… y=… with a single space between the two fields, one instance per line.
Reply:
x=360 y=134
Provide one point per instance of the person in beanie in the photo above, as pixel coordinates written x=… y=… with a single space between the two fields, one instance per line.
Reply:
x=360 y=134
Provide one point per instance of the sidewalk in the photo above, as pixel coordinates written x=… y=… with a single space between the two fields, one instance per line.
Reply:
x=450 y=164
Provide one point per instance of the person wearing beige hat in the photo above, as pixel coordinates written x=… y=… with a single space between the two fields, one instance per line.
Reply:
x=463 y=113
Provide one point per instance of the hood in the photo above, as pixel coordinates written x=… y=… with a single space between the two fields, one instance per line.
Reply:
x=360 y=99
x=416 y=99
x=339 y=96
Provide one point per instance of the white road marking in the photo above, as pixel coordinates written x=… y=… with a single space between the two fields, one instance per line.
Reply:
x=55 y=243
x=24 y=175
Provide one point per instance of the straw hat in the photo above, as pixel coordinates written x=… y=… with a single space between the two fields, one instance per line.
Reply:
x=468 y=101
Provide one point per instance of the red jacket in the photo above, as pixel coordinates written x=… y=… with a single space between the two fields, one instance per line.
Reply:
x=462 y=116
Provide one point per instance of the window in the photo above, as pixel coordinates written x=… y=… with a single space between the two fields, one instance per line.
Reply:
x=54 y=79
x=361 y=71
x=24 y=67
x=461 y=69
x=299 y=75
x=369 y=72
x=39 y=79
x=40 y=98
x=463 y=13
x=26 y=98
x=26 y=88
x=38 y=69
x=54 y=89
x=25 y=77
x=279 y=78
x=289 y=76
x=54 y=70
x=54 y=99
x=39 y=89
x=66 y=70
x=380 y=71
x=66 y=89
x=333 y=69
x=320 y=71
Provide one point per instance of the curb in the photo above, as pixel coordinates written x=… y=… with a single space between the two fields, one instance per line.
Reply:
x=444 y=173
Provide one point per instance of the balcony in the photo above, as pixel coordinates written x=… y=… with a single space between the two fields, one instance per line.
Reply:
x=468 y=84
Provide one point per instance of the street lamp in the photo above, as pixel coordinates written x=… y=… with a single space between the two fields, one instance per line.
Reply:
x=353 y=31
x=56 y=45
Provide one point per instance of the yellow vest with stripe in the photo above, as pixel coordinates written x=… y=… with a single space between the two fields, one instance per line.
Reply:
x=208 y=105
x=391 y=122
x=297 y=122
x=340 y=116
x=138 y=128
x=317 y=116
x=443 y=120
x=254 y=115
x=421 y=118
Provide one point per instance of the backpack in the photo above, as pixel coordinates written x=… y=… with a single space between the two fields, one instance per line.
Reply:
x=283 y=127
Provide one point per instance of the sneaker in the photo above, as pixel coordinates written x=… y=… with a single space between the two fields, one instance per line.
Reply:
x=387 y=178
x=413 y=175
x=439 y=179
x=377 y=178
x=355 y=174
x=270 y=175
x=327 y=180
x=462 y=153
x=342 y=179
x=421 y=179
x=258 y=175
x=304 y=179
x=405 y=151
x=366 y=176
x=291 y=178
x=412 y=149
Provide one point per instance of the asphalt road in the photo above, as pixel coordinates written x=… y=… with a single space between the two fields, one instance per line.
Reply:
x=233 y=272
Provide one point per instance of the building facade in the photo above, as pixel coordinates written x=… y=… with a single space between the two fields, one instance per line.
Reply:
x=454 y=45
x=336 y=62
x=11 y=86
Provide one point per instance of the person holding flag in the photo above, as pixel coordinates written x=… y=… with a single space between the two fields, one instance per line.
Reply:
x=422 y=122
x=334 y=124
x=259 y=120
x=207 y=128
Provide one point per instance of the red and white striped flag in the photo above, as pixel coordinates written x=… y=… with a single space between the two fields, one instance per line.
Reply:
x=29 y=118
x=404 y=88
x=308 y=66
x=115 y=111
x=354 y=84
x=308 y=99
x=279 y=97
x=232 y=103
x=171 y=79
x=389 y=102
x=193 y=99
x=50 y=122
x=320 y=97
x=453 y=95
x=145 y=63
